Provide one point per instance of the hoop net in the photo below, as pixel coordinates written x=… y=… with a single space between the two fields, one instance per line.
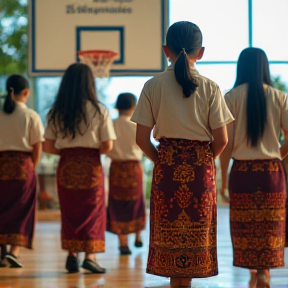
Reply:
x=99 y=61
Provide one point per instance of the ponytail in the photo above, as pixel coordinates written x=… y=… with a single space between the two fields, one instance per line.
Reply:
x=14 y=85
x=184 y=38
x=183 y=75
x=9 y=104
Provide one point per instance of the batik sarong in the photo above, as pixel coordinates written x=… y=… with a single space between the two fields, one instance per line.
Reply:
x=18 y=198
x=285 y=166
x=183 y=214
x=126 y=207
x=257 y=213
x=82 y=201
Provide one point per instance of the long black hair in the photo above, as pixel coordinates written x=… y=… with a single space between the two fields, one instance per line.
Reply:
x=69 y=109
x=253 y=69
x=15 y=83
x=184 y=38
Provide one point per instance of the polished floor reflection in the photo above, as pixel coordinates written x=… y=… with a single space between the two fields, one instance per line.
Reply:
x=44 y=266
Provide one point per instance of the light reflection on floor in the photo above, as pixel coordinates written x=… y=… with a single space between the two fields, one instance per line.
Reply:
x=44 y=266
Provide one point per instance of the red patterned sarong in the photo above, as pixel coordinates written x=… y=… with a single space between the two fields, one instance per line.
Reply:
x=183 y=214
x=257 y=213
x=18 y=198
x=285 y=166
x=126 y=208
x=82 y=202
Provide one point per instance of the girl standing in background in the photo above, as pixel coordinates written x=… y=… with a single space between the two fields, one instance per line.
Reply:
x=79 y=129
x=20 y=150
x=126 y=207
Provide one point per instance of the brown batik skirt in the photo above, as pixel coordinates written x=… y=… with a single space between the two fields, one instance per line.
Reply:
x=183 y=214
x=18 y=198
x=82 y=201
x=126 y=208
x=257 y=213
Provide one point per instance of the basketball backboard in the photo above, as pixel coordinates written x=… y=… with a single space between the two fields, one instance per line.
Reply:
x=135 y=29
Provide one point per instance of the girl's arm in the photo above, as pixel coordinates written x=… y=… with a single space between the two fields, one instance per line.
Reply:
x=284 y=147
x=220 y=141
x=49 y=147
x=36 y=153
x=225 y=160
x=106 y=146
x=143 y=140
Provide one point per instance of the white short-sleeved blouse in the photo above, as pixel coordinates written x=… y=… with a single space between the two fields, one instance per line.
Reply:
x=163 y=106
x=21 y=129
x=125 y=147
x=99 y=129
x=277 y=117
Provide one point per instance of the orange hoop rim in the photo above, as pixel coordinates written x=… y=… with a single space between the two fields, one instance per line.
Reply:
x=106 y=53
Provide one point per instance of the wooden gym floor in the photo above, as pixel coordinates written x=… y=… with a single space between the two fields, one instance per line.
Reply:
x=44 y=266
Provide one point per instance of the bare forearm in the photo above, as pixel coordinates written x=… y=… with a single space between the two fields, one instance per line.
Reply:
x=106 y=146
x=224 y=164
x=149 y=150
x=143 y=141
x=36 y=153
x=217 y=148
x=49 y=147
x=284 y=150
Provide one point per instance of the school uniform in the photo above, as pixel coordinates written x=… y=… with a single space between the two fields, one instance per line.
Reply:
x=80 y=181
x=19 y=132
x=126 y=207
x=257 y=184
x=183 y=214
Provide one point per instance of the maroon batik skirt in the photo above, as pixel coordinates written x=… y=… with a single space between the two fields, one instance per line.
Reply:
x=82 y=201
x=183 y=213
x=126 y=207
x=257 y=213
x=285 y=166
x=18 y=198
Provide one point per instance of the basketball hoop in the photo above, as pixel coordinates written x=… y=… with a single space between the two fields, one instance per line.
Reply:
x=99 y=61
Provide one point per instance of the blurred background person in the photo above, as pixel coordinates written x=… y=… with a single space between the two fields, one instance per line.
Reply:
x=79 y=129
x=20 y=150
x=126 y=206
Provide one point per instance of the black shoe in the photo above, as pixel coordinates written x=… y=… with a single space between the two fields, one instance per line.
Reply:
x=93 y=266
x=124 y=250
x=138 y=243
x=72 y=264
x=2 y=256
x=13 y=261
x=2 y=265
x=3 y=251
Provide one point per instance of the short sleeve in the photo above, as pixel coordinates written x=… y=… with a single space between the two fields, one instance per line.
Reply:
x=143 y=112
x=36 y=130
x=50 y=132
x=107 y=129
x=229 y=103
x=219 y=113
x=284 y=114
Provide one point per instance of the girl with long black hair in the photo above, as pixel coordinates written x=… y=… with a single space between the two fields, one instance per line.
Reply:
x=257 y=181
x=79 y=129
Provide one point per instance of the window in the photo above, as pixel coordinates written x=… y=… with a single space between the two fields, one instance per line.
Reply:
x=227 y=26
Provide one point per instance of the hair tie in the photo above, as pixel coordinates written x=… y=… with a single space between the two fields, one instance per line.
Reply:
x=183 y=51
x=11 y=92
